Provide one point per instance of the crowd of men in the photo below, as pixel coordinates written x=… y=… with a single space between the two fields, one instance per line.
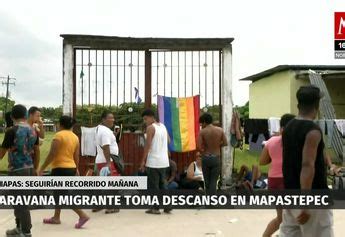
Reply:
x=302 y=164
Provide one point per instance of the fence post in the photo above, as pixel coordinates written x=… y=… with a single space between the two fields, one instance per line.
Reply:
x=148 y=79
x=226 y=104
x=68 y=85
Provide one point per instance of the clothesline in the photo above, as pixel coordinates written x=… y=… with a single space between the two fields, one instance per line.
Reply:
x=259 y=130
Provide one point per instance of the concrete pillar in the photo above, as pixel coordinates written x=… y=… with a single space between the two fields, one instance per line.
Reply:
x=67 y=88
x=227 y=105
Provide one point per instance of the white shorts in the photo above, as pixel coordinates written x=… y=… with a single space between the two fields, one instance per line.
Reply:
x=320 y=224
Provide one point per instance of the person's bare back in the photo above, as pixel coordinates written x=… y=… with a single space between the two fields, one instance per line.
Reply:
x=211 y=139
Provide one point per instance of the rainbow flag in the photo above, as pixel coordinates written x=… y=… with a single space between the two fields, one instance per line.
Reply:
x=181 y=118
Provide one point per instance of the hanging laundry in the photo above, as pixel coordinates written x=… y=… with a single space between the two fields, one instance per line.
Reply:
x=340 y=123
x=235 y=130
x=88 y=138
x=256 y=145
x=274 y=126
x=322 y=125
x=255 y=127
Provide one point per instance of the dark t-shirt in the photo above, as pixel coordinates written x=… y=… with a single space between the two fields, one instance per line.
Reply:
x=20 y=141
x=294 y=136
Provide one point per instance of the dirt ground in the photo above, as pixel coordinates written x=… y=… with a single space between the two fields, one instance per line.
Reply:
x=180 y=223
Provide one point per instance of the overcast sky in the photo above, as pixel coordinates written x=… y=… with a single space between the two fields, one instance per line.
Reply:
x=267 y=33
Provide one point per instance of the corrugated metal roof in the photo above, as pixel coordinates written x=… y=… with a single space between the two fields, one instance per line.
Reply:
x=281 y=68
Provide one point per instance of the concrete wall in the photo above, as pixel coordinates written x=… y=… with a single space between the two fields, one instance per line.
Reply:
x=336 y=89
x=67 y=88
x=227 y=105
x=271 y=96
x=275 y=95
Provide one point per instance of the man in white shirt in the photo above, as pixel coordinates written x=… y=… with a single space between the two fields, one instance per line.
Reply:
x=106 y=147
x=155 y=157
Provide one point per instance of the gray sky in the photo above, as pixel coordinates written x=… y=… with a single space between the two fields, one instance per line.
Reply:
x=267 y=33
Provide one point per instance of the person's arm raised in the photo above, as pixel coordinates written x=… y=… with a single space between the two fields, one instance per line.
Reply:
x=41 y=134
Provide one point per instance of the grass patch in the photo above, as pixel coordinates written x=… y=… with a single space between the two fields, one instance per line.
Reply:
x=248 y=158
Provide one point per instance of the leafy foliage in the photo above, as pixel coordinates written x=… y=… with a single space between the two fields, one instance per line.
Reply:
x=243 y=110
x=127 y=114
x=50 y=113
x=10 y=104
x=214 y=110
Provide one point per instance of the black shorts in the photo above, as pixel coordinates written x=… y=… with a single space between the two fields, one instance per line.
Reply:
x=64 y=172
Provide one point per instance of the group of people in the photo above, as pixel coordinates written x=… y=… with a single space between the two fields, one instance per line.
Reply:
x=155 y=160
x=297 y=160
x=25 y=132
x=21 y=142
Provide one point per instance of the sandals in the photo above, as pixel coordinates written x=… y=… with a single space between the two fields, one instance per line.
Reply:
x=51 y=221
x=78 y=225
x=81 y=222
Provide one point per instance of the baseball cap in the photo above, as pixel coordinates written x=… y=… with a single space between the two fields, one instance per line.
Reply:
x=308 y=94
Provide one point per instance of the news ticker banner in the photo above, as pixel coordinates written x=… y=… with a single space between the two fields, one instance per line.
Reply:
x=131 y=192
x=73 y=182
x=176 y=199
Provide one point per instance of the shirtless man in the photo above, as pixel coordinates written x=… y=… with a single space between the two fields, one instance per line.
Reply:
x=210 y=141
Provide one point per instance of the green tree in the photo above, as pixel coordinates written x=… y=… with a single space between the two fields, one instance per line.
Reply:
x=214 y=110
x=10 y=104
x=127 y=114
x=243 y=110
x=51 y=113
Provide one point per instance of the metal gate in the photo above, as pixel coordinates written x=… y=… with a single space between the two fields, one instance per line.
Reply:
x=109 y=77
x=108 y=71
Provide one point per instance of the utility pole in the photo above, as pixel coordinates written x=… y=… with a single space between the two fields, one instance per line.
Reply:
x=7 y=83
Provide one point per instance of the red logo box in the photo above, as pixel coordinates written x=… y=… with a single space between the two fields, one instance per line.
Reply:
x=339 y=25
